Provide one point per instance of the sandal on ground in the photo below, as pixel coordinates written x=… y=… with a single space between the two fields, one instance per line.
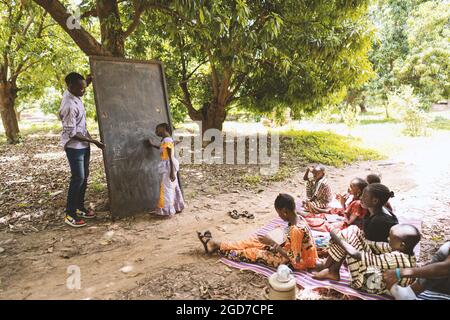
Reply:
x=248 y=215
x=234 y=214
x=205 y=235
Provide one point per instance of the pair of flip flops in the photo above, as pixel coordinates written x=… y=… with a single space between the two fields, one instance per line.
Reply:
x=235 y=215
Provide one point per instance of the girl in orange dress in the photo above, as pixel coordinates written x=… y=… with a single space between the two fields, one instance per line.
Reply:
x=298 y=249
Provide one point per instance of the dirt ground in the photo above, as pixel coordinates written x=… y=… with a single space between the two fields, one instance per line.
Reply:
x=145 y=257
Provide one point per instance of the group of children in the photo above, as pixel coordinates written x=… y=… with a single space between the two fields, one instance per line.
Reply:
x=369 y=240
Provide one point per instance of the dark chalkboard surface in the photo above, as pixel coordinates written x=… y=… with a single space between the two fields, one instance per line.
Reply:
x=131 y=99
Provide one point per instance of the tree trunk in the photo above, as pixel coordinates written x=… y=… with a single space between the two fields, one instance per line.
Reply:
x=8 y=94
x=111 y=27
x=362 y=104
x=212 y=116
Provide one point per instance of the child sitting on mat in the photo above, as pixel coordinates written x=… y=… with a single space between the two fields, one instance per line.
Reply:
x=353 y=212
x=368 y=260
x=318 y=190
x=297 y=249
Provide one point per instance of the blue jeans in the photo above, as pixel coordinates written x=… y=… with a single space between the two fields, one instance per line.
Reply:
x=79 y=168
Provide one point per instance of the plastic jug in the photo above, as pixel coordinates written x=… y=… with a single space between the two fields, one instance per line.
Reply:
x=282 y=285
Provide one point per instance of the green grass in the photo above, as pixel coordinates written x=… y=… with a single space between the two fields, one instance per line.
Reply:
x=98 y=182
x=325 y=148
x=282 y=174
x=251 y=179
x=377 y=121
x=440 y=123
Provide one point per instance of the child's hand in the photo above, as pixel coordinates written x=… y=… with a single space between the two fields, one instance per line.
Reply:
x=313 y=208
x=265 y=240
x=341 y=198
x=390 y=278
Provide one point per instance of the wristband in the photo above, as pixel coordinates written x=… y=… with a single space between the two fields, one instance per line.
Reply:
x=397 y=273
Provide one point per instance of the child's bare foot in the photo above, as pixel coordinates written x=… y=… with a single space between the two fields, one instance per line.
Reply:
x=206 y=239
x=320 y=265
x=326 y=274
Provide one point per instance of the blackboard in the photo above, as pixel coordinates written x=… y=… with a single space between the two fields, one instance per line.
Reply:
x=131 y=99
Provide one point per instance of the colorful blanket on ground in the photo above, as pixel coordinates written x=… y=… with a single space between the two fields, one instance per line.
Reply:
x=304 y=279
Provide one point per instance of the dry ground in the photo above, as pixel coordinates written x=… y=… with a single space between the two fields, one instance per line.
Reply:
x=163 y=258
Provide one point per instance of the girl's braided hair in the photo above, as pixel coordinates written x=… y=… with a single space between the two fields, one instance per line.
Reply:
x=381 y=192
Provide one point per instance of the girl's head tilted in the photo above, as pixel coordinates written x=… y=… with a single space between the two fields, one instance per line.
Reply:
x=376 y=195
x=162 y=130
x=357 y=187
x=285 y=206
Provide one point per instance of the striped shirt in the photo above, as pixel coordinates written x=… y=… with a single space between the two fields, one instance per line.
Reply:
x=376 y=257
x=319 y=192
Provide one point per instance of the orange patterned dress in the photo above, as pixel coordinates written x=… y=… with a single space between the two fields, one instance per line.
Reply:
x=299 y=246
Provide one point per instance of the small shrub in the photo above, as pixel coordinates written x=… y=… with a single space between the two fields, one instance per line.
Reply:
x=415 y=122
x=350 y=115
x=408 y=109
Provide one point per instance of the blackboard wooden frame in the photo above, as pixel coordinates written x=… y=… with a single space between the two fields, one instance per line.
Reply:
x=92 y=59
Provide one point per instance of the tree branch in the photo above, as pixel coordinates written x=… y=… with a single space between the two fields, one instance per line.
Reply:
x=171 y=12
x=27 y=25
x=239 y=80
x=214 y=77
x=85 y=41
x=193 y=113
x=92 y=12
x=138 y=10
